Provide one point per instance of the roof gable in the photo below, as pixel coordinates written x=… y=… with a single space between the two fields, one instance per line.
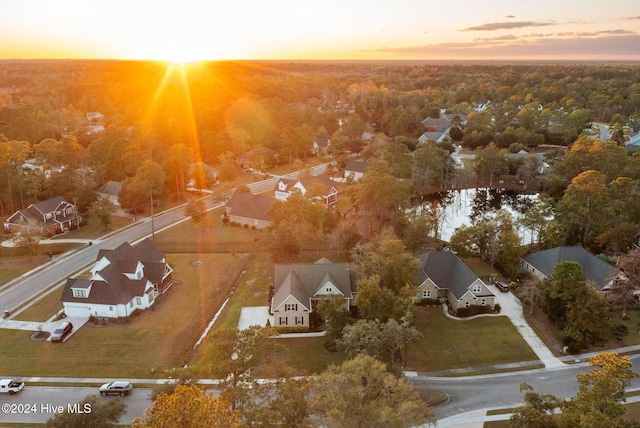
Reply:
x=446 y=270
x=304 y=280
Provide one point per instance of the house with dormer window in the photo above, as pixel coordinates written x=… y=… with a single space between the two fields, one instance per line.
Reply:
x=299 y=286
x=49 y=217
x=443 y=276
x=121 y=281
x=320 y=185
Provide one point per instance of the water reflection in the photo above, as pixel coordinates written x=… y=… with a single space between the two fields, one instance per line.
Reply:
x=465 y=207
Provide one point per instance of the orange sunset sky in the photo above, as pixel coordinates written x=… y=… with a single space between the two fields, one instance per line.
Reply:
x=189 y=30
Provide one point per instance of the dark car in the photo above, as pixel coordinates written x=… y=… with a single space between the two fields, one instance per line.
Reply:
x=502 y=286
x=61 y=332
x=118 y=387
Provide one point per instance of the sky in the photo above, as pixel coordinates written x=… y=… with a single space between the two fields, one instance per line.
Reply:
x=190 y=30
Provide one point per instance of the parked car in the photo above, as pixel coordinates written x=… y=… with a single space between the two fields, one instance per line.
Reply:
x=63 y=330
x=502 y=286
x=118 y=387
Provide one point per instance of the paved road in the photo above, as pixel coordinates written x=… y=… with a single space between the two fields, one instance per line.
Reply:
x=270 y=184
x=16 y=293
x=36 y=404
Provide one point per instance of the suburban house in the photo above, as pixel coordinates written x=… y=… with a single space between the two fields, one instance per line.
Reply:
x=438 y=127
x=443 y=275
x=110 y=190
x=524 y=155
x=249 y=209
x=258 y=158
x=51 y=216
x=633 y=144
x=320 y=145
x=201 y=173
x=599 y=273
x=321 y=185
x=354 y=169
x=298 y=286
x=94 y=116
x=121 y=281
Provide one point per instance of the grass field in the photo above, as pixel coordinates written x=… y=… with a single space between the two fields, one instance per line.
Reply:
x=160 y=339
x=449 y=344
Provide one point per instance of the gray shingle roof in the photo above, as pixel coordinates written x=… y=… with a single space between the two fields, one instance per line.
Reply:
x=304 y=280
x=249 y=205
x=116 y=287
x=110 y=188
x=446 y=270
x=594 y=269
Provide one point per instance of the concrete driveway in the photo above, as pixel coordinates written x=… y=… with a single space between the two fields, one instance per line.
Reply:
x=49 y=327
x=512 y=308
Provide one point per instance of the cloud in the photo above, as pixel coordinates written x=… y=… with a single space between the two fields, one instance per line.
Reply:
x=509 y=16
x=629 y=18
x=549 y=47
x=497 y=38
x=616 y=32
x=493 y=26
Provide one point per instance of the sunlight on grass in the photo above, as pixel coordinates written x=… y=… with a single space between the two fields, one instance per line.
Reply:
x=160 y=339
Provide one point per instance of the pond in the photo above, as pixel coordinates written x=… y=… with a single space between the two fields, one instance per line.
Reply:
x=456 y=208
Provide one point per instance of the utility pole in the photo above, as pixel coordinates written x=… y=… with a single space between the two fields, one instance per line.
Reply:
x=153 y=230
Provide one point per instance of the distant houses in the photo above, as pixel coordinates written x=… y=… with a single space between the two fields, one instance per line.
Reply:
x=320 y=185
x=354 y=169
x=123 y=280
x=52 y=216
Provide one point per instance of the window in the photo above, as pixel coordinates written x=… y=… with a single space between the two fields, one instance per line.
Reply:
x=131 y=303
x=138 y=301
x=467 y=304
x=283 y=320
x=426 y=294
x=476 y=288
x=79 y=293
x=288 y=307
x=299 y=320
x=328 y=290
x=111 y=308
x=483 y=302
x=151 y=297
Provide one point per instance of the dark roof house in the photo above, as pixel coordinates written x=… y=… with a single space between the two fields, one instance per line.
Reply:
x=249 y=209
x=50 y=216
x=443 y=274
x=298 y=285
x=598 y=272
x=122 y=280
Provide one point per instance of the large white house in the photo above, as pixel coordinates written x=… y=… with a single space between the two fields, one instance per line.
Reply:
x=123 y=280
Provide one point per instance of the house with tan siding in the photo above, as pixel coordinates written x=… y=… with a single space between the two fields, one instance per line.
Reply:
x=249 y=209
x=442 y=275
x=298 y=286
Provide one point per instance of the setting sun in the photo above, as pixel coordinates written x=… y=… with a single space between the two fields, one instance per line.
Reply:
x=190 y=30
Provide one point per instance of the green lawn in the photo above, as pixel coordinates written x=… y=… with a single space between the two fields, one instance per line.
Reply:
x=210 y=236
x=92 y=229
x=43 y=309
x=450 y=344
x=160 y=339
x=12 y=264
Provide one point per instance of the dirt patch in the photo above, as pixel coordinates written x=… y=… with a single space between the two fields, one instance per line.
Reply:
x=40 y=336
